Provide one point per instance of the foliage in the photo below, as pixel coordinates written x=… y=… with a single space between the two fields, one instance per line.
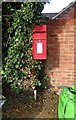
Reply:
x=7 y=10
x=19 y=69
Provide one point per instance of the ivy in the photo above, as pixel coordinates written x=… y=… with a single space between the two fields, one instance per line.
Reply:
x=20 y=70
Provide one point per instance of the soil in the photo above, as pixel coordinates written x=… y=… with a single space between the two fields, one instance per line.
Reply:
x=24 y=105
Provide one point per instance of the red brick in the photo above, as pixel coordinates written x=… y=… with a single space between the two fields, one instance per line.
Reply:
x=60 y=64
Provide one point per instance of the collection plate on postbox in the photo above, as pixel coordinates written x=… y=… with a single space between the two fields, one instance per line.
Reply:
x=39 y=42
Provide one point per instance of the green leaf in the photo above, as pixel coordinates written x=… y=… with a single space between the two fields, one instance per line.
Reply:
x=20 y=70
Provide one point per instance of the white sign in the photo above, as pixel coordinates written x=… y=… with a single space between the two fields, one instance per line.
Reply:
x=39 y=48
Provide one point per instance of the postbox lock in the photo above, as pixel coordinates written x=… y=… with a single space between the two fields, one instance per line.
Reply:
x=39 y=40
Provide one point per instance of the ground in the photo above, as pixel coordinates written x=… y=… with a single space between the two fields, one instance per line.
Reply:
x=23 y=105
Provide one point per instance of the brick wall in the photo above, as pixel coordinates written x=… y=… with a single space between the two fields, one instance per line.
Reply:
x=61 y=52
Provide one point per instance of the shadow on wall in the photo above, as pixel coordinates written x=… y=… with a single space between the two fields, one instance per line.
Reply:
x=54 y=37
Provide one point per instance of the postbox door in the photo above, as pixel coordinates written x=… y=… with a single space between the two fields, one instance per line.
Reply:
x=39 y=49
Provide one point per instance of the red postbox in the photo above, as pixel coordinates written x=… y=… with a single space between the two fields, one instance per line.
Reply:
x=39 y=42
